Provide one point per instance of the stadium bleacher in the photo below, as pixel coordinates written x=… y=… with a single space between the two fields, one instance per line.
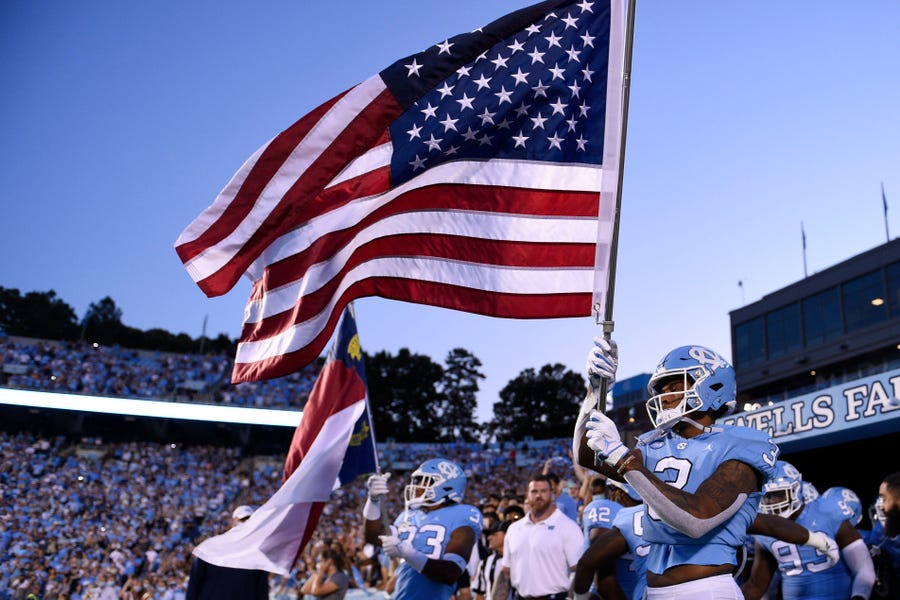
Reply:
x=116 y=516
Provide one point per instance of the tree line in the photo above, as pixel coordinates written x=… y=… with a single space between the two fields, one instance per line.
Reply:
x=413 y=398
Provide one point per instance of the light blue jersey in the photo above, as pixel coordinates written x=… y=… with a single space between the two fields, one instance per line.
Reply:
x=805 y=572
x=599 y=514
x=631 y=568
x=430 y=534
x=568 y=506
x=685 y=464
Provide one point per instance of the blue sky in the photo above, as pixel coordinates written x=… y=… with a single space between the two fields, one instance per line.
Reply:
x=122 y=121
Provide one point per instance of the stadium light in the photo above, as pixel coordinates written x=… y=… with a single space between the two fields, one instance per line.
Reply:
x=151 y=408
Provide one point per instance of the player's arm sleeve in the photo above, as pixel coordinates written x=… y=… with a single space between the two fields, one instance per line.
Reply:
x=859 y=562
x=676 y=516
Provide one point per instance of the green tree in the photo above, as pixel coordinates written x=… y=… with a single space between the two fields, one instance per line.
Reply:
x=404 y=396
x=222 y=344
x=43 y=315
x=103 y=322
x=459 y=386
x=540 y=404
x=37 y=314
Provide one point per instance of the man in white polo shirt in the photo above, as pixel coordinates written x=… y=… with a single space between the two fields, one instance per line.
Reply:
x=540 y=550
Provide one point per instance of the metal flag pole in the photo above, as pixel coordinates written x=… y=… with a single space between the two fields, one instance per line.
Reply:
x=384 y=518
x=607 y=319
x=352 y=310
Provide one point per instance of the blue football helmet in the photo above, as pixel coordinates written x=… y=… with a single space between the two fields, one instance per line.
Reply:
x=708 y=383
x=810 y=492
x=848 y=501
x=625 y=487
x=434 y=482
x=783 y=493
x=876 y=512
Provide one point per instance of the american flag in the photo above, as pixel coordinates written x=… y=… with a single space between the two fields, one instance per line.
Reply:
x=478 y=175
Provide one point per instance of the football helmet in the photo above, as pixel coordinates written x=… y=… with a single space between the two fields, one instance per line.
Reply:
x=810 y=492
x=876 y=512
x=435 y=481
x=625 y=487
x=708 y=385
x=783 y=493
x=848 y=501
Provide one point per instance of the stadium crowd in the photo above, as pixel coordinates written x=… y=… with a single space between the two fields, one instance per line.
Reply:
x=87 y=519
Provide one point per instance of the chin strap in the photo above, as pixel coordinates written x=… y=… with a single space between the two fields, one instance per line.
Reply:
x=703 y=428
x=655 y=434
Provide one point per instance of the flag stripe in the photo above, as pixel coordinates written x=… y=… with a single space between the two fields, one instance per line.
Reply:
x=337 y=387
x=574 y=194
x=335 y=244
x=450 y=263
x=278 y=356
x=539 y=253
x=236 y=200
x=351 y=127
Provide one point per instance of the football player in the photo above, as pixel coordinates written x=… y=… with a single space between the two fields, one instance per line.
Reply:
x=624 y=541
x=884 y=537
x=701 y=482
x=806 y=572
x=434 y=536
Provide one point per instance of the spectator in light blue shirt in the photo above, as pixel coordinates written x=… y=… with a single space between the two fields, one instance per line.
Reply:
x=564 y=502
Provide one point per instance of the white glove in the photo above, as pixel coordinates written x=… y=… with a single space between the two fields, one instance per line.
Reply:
x=394 y=548
x=602 y=362
x=825 y=545
x=604 y=439
x=377 y=486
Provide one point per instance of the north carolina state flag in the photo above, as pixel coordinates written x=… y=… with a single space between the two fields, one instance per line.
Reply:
x=332 y=446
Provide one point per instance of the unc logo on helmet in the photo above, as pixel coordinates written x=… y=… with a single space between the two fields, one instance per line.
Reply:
x=848 y=502
x=707 y=357
x=435 y=481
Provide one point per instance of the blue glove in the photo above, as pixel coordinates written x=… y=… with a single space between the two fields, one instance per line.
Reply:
x=604 y=439
x=602 y=362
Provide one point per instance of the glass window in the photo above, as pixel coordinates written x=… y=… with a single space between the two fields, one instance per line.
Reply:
x=864 y=301
x=783 y=330
x=893 y=289
x=750 y=343
x=822 y=317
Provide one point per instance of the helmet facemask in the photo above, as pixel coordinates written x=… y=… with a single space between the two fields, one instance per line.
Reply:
x=782 y=498
x=665 y=418
x=420 y=490
x=876 y=512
